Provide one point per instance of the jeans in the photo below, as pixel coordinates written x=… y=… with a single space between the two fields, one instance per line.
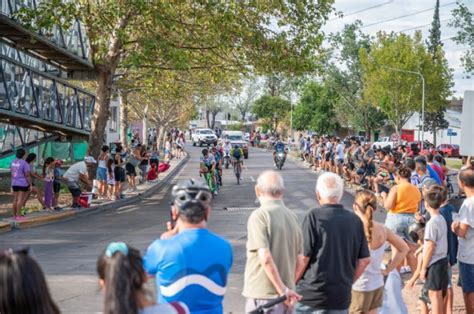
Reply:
x=400 y=223
x=304 y=309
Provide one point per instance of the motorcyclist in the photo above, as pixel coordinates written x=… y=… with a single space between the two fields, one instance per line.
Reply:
x=227 y=147
x=278 y=147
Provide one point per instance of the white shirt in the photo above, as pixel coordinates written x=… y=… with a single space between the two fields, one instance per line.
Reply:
x=466 y=244
x=340 y=151
x=72 y=174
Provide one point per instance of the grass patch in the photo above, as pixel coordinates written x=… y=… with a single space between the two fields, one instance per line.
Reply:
x=454 y=163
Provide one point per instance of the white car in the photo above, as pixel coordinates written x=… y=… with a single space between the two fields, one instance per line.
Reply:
x=237 y=138
x=384 y=142
x=204 y=137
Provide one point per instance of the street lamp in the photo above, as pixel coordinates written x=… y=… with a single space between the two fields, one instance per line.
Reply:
x=422 y=100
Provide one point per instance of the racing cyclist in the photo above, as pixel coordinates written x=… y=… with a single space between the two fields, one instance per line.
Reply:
x=279 y=147
x=236 y=153
x=208 y=165
x=218 y=156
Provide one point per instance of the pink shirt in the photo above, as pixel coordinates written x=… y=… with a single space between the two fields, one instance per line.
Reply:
x=438 y=170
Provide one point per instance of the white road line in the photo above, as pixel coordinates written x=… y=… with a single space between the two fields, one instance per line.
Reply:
x=252 y=179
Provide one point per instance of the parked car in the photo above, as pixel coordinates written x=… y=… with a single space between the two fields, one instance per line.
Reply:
x=384 y=142
x=449 y=150
x=237 y=138
x=427 y=148
x=204 y=137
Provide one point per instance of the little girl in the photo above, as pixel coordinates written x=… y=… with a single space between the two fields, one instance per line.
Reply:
x=110 y=180
x=48 y=175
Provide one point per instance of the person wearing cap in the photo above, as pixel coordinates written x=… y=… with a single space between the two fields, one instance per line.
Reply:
x=191 y=264
x=75 y=174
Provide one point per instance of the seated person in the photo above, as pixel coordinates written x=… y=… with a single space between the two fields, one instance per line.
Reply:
x=152 y=173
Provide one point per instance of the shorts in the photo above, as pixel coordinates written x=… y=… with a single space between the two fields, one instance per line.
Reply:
x=56 y=187
x=466 y=277
x=399 y=224
x=253 y=304
x=16 y=188
x=360 y=171
x=437 y=276
x=340 y=161
x=119 y=174
x=101 y=174
x=450 y=276
x=131 y=171
x=365 y=301
x=74 y=188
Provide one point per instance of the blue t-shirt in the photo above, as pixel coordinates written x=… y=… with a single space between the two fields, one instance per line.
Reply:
x=434 y=175
x=280 y=147
x=447 y=212
x=192 y=268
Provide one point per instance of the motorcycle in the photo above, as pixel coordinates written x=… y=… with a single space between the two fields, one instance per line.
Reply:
x=280 y=160
x=226 y=159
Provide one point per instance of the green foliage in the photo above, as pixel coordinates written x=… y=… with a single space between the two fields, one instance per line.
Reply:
x=315 y=110
x=434 y=39
x=272 y=109
x=399 y=94
x=463 y=20
x=235 y=127
x=345 y=79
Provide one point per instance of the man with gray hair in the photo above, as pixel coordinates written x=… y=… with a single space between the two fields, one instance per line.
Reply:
x=335 y=252
x=274 y=241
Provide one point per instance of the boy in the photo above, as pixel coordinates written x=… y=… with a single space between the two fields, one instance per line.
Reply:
x=434 y=268
x=463 y=227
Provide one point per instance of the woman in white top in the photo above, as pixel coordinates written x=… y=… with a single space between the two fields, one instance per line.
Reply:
x=122 y=277
x=367 y=291
x=102 y=171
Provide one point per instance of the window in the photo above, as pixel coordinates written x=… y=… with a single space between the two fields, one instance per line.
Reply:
x=113 y=120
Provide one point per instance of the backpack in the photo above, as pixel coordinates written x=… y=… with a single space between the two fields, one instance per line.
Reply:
x=237 y=153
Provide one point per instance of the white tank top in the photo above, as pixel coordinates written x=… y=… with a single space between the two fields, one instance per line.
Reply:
x=372 y=278
x=102 y=163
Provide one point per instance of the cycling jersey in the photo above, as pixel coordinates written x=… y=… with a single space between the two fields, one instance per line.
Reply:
x=237 y=154
x=217 y=156
x=208 y=161
x=192 y=268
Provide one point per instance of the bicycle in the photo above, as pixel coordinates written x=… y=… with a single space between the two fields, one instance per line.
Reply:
x=210 y=182
x=237 y=170
x=261 y=309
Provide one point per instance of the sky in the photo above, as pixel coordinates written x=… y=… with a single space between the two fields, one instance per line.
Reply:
x=377 y=11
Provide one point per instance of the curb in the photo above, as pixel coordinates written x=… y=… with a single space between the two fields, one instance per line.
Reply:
x=71 y=213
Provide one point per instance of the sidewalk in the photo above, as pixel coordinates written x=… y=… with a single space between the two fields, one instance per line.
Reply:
x=143 y=190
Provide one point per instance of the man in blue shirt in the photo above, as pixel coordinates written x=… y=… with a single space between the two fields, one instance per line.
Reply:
x=190 y=263
x=424 y=170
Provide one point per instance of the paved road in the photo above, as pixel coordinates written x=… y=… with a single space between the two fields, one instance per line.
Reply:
x=68 y=250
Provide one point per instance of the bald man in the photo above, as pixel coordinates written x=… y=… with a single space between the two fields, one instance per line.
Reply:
x=274 y=242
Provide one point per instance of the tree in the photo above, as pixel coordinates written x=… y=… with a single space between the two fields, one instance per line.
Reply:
x=218 y=36
x=434 y=120
x=315 y=110
x=345 y=78
x=272 y=109
x=397 y=93
x=244 y=98
x=463 y=20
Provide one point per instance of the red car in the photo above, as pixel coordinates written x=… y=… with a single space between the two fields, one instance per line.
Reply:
x=449 y=150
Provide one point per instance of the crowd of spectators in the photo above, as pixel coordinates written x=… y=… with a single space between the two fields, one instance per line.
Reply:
x=118 y=170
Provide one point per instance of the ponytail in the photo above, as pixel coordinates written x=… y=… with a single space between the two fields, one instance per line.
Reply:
x=366 y=201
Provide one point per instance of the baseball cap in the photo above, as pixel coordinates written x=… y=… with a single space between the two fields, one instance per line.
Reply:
x=90 y=160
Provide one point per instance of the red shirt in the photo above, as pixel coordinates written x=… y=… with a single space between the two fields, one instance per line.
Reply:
x=439 y=171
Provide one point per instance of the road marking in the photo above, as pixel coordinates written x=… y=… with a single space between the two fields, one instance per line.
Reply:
x=252 y=179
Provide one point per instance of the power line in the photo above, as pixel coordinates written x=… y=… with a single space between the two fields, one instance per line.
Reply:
x=420 y=26
x=406 y=15
x=360 y=11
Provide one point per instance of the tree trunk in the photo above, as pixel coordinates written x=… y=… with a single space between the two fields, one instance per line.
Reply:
x=207 y=119
x=213 y=120
x=161 y=133
x=434 y=136
x=123 y=98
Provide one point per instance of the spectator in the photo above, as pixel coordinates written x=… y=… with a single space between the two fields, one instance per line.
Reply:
x=414 y=178
x=119 y=172
x=20 y=182
x=133 y=160
x=77 y=173
x=111 y=180
x=48 y=177
x=31 y=160
x=368 y=290
x=402 y=203
x=57 y=183
x=183 y=259
x=23 y=286
x=122 y=277
x=144 y=156
x=463 y=227
x=153 y=173
x=436 y=167
x=425 y=171
x=326 y=275
x=274 y=241
x=102 y=171
x=434 y=269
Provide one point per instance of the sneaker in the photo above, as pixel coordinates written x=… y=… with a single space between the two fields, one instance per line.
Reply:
x=19 y=218
x=23 y=211
x=405 y=270
x=215 y=193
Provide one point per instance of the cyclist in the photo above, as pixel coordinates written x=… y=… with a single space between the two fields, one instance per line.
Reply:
x=227 y=147
x=218 y=156
x=279 y=147
x=208 y=165
x=236 y=153
x=191 y=263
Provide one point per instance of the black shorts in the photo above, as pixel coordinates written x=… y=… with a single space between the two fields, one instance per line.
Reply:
x=75 y=192
x=16 y=188
x=56 y=187
x=131 y=171
x=437 y=276
x=119 y=174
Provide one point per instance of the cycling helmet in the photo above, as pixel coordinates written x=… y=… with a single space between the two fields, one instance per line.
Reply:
x=236 y=147
x=189 y=193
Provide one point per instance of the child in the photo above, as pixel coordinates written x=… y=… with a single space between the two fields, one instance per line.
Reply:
x=418 y=236
x=434 y=269
x=48 y=175
x=57 y=183
x=110 y=178
x=152 y=174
